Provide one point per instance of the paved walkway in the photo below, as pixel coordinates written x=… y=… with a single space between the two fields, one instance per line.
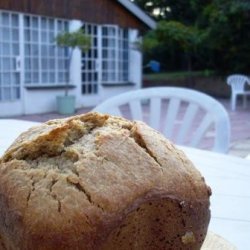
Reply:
x=240 y=130
x=240 y=126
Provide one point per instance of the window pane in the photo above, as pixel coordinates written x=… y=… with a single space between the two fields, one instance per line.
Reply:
x=6 y=49
x=6 y=34
x=34 y=50
x=105 y=42
x=104 y=65
x=51 y=24
x=6 y=64
x=27 y=77
x=60 y=52
x=51 y=37
x=66 y=74
x=44 y=77
x=44 y=23
x=27 y=35
x=27 y=64
x=35 y=36
x=61 y=76
x=16 y=78
x=59 y=26
x=6 y=93
x=14 y=19
x=15 y=35
x=112 y=43
x=13 y=64
x=26 y=21
x=44 y=50
x=52 y=77
x=66 y=52
x=27 y=50
x=35 y=77
x=44 y=64
x=6 y=19
x=104 y=31
x=60 y=65
x=95 y=88
x=52 y=50
x=44 y=37
x=65 y=63
x=34 y=22
x=95 y=42
x=52 y=64
x=16 y=93
x=66 y=26
x=35 y=64
x=6 y=78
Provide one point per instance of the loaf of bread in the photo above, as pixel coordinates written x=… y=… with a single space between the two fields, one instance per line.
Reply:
x=100 y=182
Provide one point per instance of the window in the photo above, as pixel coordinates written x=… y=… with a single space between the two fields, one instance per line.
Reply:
x=115 y=54
x=44 y=62
x=9 y=57
x=90 y=62
x=107 y=61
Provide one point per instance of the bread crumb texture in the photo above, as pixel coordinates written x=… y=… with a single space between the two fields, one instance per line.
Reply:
x=100 y=182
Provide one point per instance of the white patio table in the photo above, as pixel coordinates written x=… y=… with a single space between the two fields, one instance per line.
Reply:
x=10 y=129
x=228 y=176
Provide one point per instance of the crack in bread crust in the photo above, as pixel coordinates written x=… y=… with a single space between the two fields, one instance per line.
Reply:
x=139 y=140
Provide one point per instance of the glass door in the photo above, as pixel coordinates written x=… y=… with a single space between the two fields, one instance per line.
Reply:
x=115 y=55
x=90 y=68
x=109 y=53
x=10 y=64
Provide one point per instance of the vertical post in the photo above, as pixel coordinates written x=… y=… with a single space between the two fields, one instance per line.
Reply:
x=75 y=66
x=135 y=59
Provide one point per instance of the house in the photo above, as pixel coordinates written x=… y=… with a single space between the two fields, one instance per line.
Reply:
x=33 y=70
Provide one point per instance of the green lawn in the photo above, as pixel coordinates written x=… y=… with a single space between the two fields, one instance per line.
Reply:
x=175 y=75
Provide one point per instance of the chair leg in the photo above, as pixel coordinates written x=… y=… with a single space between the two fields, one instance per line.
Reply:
x=233 y=102
x=244 y=101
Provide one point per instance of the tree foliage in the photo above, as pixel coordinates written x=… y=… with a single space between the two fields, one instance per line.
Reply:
x=76 y=39
x=215 y=33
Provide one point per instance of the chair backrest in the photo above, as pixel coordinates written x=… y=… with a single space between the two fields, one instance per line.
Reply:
x=237 y=82
x=187 y=117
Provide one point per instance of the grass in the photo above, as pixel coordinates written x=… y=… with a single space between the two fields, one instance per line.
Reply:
x=175 y=75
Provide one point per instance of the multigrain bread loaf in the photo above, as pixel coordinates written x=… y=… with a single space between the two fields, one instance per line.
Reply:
x=100 y=182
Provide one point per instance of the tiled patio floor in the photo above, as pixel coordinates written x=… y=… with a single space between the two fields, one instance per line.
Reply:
x=240 y=126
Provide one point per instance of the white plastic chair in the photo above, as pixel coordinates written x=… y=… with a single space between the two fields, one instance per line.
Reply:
x=185 y=116
x=237 y=83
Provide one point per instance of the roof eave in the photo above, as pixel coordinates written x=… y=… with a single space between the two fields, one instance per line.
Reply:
x=138 y=13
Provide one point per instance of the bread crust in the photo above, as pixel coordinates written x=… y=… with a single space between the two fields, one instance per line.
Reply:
x=100 y=182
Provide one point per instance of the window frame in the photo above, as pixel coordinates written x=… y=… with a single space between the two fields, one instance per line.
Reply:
x=10 y=76
x=48 y=66
x=114 y=71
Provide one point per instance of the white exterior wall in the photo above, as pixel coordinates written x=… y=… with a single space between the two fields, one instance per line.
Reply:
x=39 y=100
x=10 y=108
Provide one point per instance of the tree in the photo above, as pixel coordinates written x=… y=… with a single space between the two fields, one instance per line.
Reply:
x=215 y=33
x=174 y=34
x=227 y=24
x=73 y=40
